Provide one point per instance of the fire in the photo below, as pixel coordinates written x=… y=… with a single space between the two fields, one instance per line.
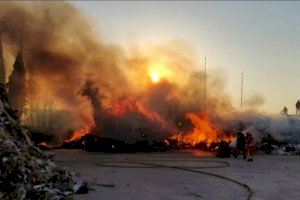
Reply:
x=45 y=145
x=124 y=106
x=204 y=130
x=80 y=133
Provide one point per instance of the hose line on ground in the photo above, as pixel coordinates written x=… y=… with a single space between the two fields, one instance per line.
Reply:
x=143 y=164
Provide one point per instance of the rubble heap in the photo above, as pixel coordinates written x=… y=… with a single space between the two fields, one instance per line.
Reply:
x=25 y=171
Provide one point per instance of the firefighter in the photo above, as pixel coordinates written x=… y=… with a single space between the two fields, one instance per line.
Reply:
x=297 y=107
x=240 y=145
x=250 y=149
x=284 y=111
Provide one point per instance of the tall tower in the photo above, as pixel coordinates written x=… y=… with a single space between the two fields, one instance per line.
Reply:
x=2 y=66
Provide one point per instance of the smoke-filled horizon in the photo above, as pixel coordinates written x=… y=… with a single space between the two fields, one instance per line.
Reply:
x=119 y=93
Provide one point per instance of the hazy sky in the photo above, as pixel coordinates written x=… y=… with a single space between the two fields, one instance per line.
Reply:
x=260 y=39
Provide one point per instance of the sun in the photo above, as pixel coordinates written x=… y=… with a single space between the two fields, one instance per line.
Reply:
x=158 y=72
x=155 y=77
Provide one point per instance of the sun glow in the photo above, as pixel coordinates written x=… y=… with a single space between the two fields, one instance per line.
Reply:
x=157 y=72
x=155 y=77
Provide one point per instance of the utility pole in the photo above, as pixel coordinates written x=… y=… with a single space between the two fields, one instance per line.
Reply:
x=242 y=89
x=204 y=93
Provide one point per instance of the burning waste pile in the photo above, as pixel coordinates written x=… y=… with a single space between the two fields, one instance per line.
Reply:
x=25 y=171
x=131 y=126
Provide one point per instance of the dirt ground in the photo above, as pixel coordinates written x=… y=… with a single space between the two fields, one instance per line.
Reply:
x=183 y=175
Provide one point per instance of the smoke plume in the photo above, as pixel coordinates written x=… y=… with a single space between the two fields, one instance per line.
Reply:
x=254 y=101
x=155 y=92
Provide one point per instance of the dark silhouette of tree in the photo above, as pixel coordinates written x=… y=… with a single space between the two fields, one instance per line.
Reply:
x=17 y=84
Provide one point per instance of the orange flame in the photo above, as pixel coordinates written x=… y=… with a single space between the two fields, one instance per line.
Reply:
x=80 y=133
x=124 y=106
x=45 y=145
x=204 y=131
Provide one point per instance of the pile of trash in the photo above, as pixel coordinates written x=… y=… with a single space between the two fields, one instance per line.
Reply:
x=274 y=147
x=287 y=149
x=96 y=143
x=25 y=171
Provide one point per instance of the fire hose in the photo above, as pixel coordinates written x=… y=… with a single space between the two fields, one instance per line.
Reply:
x=142 y=164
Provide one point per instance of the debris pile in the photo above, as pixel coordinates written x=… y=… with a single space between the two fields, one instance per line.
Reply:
x=96 y=143
x=25 y=171
x=287 y=149
x=271 y=146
